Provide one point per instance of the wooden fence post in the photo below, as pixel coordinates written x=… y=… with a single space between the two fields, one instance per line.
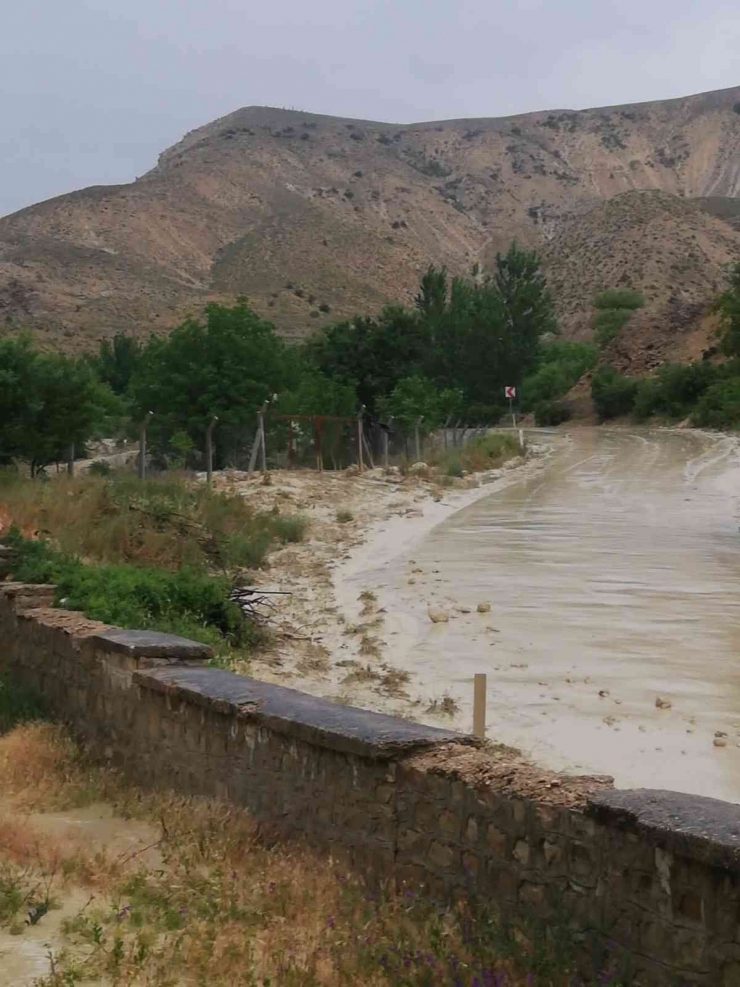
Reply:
x=71 y=459
x=479 y=706
x=209 y=449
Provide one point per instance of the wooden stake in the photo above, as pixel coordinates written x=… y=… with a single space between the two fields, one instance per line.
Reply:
x=479 y=706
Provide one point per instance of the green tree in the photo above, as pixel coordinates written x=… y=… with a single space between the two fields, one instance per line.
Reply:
x=728 y=307
x=372 y=353
x=117 y=361
x=227 y=365
x=48 y=402
x=418 y=397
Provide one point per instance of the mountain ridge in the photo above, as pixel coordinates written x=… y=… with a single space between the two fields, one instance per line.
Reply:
x=350 y=212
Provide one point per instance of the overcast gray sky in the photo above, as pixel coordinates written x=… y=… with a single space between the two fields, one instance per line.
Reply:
x=92 y=90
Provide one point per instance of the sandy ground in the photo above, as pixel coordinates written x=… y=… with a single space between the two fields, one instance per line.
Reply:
x=330 y=638
x=27 y=951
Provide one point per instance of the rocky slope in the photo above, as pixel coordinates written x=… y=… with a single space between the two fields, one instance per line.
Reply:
x=314 y=217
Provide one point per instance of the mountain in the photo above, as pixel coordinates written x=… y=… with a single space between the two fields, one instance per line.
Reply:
x=315 y=217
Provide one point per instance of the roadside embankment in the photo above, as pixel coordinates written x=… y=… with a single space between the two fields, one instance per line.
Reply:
x=648 y=880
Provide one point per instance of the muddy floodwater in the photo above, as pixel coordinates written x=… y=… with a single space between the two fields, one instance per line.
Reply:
x=613 y=576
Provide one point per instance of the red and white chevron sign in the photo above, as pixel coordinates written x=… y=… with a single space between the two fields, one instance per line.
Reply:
x=510 y=392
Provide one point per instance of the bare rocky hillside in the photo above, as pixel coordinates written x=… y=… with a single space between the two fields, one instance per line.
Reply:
x=315 y=217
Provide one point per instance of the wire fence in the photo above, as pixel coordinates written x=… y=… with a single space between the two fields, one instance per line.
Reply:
x=275 y=442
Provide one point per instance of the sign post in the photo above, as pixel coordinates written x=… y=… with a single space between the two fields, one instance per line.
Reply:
x=510 y=393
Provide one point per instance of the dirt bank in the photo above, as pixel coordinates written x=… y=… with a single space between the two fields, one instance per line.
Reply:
x=326 y=638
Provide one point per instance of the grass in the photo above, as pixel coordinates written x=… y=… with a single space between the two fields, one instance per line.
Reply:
x=166 y=522
x=222 y=906
x=160 y=554
x=484 y=452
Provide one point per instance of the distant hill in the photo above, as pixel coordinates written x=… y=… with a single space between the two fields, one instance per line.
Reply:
x=317 y=217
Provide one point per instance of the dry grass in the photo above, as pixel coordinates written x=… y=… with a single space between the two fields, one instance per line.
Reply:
x=222 y=905
x=167 y=521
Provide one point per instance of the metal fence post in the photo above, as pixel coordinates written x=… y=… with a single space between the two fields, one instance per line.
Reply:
x=419 y=420
x=359 y=438
x=386 y=439
x=142 y=445
x=71 y=459
x=209 y=449
x=263 y=448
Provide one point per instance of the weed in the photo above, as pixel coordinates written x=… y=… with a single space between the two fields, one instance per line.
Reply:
x=17 y=705
x=222 y=907
x=444 y=706
x=370 y=646
x=290 y=529
x=344 y=516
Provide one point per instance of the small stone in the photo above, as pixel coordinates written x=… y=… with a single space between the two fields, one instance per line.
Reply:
x=484 y=608
x=720 y=733
x=662 y=703
x=720 y=742
x=462 y=608
x=417 y=468
x=603 y=693
x=417 y=569
x=438 y=616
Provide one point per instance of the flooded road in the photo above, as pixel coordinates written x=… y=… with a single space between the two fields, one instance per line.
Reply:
x=614 y=580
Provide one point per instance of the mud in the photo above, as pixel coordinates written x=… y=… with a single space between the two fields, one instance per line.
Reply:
x=613 y=578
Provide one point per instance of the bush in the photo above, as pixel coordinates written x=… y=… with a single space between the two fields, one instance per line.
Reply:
x=613 y=395
x=562 y=364
x=186 y=601
x=619 y=298
x=17 y=705
x=99 y=468
x=550 y=413
x=325 y=308
x=290 y=529
x=719 y=406
x=344 y=516
x=452 y=465
x=607 y=323
x=675 y=391
x=486 y=452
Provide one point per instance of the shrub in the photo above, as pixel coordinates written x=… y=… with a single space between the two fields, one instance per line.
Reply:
x=562 y=364
x=485 y=452
x=99 y=468
x=325 y=308
x=675 y=391
x=452 y=465
x=17 y=705
x=607 y=323
x=613 y=394
x=344 y=516
x=186 y=601
x=736 y=108
x=550 y=413
x=719 y=406
x=290 y=529
x=619 y=298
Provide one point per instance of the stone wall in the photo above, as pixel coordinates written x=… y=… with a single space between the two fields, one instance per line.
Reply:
x=650 y=878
